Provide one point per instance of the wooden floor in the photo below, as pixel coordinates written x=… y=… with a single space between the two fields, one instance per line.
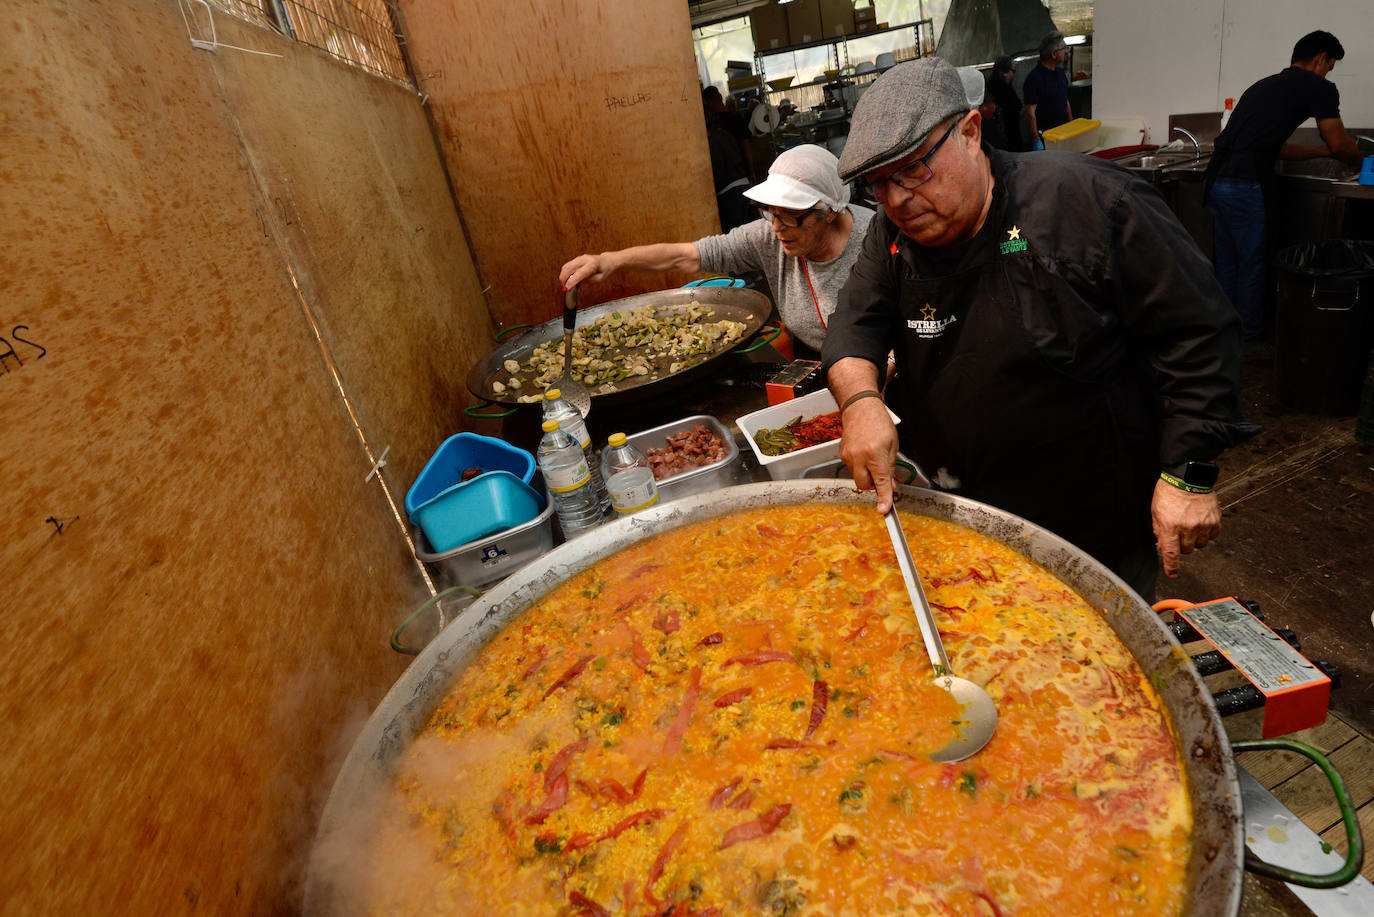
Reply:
x=1301 y=786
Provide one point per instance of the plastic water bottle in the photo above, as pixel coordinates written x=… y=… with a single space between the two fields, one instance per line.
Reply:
x=569 y=479
x=629 y=479
x=570 y=420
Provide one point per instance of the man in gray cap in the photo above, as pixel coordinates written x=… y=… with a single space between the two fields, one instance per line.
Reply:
x=1063 y=350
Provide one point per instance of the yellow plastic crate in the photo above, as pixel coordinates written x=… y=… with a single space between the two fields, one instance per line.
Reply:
x=1076 y=136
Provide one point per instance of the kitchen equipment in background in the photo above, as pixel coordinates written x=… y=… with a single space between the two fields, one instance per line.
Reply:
x=978 y=714
x=1076 y=136
x=885 y=60
x=765 y=119
x=443 y=491
x=793 y=464
x=781 y=82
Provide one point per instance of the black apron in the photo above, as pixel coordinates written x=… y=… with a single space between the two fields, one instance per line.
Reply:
x=987 y=394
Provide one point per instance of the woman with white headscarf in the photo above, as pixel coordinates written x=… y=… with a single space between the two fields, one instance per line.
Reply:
x=805 y=242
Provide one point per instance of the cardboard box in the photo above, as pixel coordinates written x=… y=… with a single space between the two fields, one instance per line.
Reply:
x=865 y=14
x=769 y=24
x=804 y=21
x=837 y=18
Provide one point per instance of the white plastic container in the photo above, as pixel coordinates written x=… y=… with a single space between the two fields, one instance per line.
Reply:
x=794 y=464
x=1077 y=136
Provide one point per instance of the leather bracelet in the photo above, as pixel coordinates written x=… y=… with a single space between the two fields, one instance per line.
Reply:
x=1182 y=484
x=859 y=396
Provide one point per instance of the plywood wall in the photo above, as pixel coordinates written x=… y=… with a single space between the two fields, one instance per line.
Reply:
x=570 y=126
x=202 y=254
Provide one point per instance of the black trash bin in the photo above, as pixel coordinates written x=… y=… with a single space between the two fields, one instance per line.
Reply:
x=1325 y=325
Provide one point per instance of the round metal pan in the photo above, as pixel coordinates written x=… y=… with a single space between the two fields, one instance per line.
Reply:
x=1215 y=869
x=749 y=307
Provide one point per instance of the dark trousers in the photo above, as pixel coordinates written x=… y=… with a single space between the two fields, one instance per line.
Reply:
x=1238 y=231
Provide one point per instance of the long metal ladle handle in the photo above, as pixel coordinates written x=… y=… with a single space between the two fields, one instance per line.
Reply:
x=929 y=632
x=569 y=323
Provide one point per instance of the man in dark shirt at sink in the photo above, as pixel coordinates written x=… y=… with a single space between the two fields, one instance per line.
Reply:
x=1242 y=165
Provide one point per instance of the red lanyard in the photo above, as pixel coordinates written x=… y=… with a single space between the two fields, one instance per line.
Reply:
x=814 y=301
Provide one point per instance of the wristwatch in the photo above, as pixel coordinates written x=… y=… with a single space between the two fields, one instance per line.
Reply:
x=1194 y=477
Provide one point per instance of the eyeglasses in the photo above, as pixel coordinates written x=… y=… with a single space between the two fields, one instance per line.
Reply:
x=790 y=219
x=915 y=174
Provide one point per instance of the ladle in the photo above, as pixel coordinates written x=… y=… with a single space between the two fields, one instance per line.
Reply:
x=575 y=392
x=978 y=715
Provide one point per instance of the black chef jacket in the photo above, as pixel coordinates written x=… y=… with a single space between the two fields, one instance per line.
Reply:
x=1054 y=363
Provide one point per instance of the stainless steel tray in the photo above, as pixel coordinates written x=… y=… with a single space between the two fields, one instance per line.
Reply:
x=698 y=480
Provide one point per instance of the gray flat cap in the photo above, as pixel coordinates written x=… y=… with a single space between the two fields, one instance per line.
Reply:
x=895 y=114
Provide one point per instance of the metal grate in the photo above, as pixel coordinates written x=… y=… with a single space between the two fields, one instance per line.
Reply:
x=359 y=32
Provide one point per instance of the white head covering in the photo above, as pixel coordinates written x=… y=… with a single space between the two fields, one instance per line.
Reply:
x=974 y=85
x=801 y=178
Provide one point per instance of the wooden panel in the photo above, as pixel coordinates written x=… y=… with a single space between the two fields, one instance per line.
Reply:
x=1308 y=795
x=199 y=583
x=569 y=126
x=370 y=232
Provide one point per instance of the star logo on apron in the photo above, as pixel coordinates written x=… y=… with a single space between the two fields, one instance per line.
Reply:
x=1014 y=243
x=928 y=326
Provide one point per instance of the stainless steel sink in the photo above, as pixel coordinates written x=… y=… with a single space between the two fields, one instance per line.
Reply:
x=1153 y=163
x=1326 y=168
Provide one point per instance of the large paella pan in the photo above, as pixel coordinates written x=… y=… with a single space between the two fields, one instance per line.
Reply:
x=1213 y=867
x=744 y=311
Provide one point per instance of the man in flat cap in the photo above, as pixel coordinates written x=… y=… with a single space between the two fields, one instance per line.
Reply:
x=1063 y=350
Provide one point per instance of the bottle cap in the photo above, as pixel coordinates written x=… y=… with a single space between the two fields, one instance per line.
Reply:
x=1230 y=103
x=553 y=394
x=550 y=425
x=617 y=439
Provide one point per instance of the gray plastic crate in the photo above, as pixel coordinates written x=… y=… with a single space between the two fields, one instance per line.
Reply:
x=494 y=557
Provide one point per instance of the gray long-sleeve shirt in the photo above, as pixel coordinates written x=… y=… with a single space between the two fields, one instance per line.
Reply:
x=754 y=247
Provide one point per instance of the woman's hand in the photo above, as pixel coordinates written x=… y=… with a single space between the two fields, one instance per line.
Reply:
x=585 y=267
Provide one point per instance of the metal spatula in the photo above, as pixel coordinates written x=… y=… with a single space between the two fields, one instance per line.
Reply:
x=575 y=392
x=978 y=716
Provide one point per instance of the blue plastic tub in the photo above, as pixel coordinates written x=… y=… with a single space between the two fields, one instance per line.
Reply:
x=459 y=453
x=485 y=505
